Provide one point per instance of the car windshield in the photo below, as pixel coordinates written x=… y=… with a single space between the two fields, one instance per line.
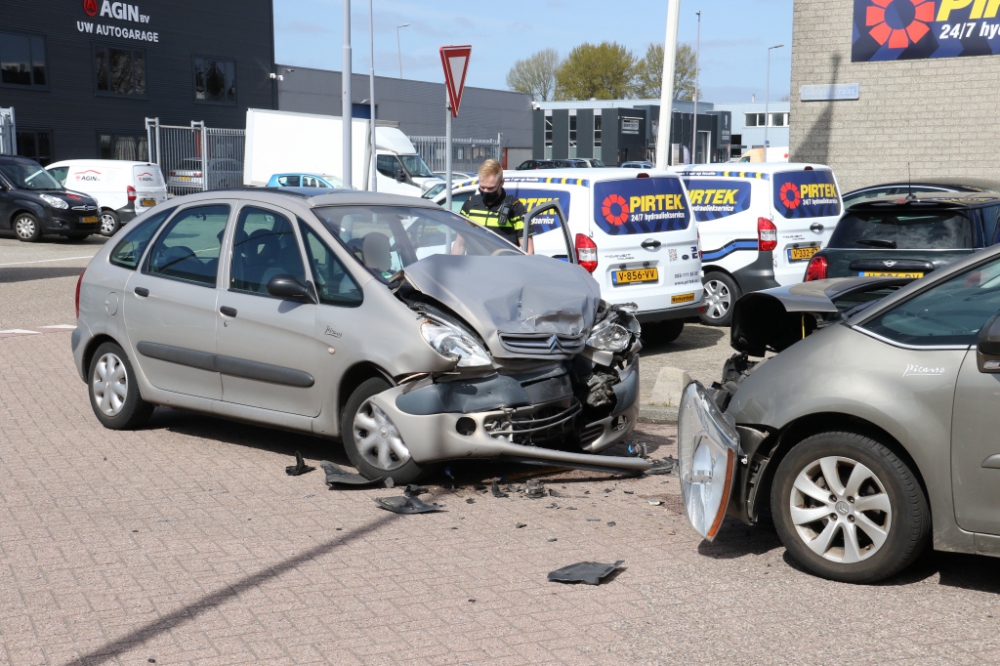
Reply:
x=434 y=191
x=904 y=230
x=416 y=166
x=385 y=239
x=30 y=177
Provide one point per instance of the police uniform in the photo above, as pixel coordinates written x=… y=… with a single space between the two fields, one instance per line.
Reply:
x=491 y=217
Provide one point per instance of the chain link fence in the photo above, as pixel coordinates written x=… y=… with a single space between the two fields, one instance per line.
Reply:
x=467 y=154
x=196 y=158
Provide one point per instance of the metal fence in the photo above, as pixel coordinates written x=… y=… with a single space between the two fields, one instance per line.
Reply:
x=8 y=132
x=197 y=158
x=467 y=154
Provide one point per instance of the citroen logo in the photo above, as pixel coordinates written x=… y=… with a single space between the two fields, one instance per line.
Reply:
x=889 y=264
x=554 y=343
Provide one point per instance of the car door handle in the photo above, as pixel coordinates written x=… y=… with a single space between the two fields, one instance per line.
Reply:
x=650 y=243
x=141 y=291
x=228 y=311
x=816 y=227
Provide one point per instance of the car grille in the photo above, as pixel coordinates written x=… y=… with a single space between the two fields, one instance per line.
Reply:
x=537 y=423
x=84 y=207
x=542 y=343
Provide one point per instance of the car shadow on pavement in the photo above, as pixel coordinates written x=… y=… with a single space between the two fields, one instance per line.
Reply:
x=739 y=540
x=692 y=337
x=27 y=273
x=969 y=572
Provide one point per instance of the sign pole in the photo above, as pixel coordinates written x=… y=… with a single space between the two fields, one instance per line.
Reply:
x=346 y=112
x=667 y=87
x=455 y=60
x=447 y=157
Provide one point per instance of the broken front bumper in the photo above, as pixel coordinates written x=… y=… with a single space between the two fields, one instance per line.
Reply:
x=477 y=418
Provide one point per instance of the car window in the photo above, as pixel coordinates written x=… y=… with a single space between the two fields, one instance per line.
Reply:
x=915 y=230
x=950 y=313
x=29 y=176
x=416 y=166
x=129 y=250
x=264 y=246
x=289 y=181
x=59 y=173
x=334 y=284
x=309 y=181
x=188 y=249
x=388 y=165
x=991 y=216
x=458 y=200
x=376 y=236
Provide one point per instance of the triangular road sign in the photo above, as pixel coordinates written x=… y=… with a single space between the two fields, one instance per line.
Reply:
x=455 y=60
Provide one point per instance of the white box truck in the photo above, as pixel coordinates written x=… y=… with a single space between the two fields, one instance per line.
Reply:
x=287 y=142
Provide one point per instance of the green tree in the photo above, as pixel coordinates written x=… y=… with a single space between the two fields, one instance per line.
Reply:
x=604 y=71
x=649 y=73
x=535 y=75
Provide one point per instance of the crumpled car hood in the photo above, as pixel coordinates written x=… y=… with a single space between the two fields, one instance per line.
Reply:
x=519 y=295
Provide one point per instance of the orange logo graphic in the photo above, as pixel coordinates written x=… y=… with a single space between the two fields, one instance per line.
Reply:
x=789 y=195
x=899 y=22
x=615 y=216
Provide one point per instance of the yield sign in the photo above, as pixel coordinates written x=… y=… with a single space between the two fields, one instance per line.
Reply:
x=456 y=63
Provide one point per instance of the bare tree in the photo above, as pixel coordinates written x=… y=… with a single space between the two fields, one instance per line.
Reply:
x=535 y=75
x=649 y=73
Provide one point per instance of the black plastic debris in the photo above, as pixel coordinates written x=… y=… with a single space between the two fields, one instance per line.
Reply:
x=412 y=490
x=555 y=493
x=589 y=573
x=520 y=525
x=495 y=488
x=300 y=466
x=337 y=476
x=406 y=505
x=665 y=466
x=470 y=501
x=534 y=489
x=612 y=523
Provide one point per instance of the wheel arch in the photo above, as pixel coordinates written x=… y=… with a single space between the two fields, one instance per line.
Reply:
x=91 y=349
x=355 y=376
x=22 y=209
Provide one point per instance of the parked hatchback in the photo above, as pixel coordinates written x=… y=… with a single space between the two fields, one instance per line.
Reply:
x=123 y=189
x=907 y=238
x=33 y=203
x=347 y=315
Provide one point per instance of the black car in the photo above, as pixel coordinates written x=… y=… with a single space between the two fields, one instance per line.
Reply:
x=907 y=238
x=33 y=203
x=529 y=165
x=903 y=188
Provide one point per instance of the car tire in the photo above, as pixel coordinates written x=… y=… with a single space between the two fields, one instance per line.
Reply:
x=662 y=332
x=822 y=523
x=27 y=228
x=376 y=454
x=110 y=223
x=114 y=391
x=721 y=294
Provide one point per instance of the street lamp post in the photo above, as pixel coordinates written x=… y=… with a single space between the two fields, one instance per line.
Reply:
x=345 y=79
x=767 y=98
x=399 y=48
x=694 y=115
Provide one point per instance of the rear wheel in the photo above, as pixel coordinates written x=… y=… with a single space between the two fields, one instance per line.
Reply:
x=848 y=509
x=114 y=393
x=372 y=441
x=110 y=223
x=27 y=228
x=721 y=293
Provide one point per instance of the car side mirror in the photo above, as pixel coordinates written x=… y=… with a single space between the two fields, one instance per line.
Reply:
x=289 y=287
x=545 y=207
x=988 y=346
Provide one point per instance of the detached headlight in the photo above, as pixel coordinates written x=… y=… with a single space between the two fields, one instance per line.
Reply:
x=55 y=202
x=608 y=336
x=452 y=343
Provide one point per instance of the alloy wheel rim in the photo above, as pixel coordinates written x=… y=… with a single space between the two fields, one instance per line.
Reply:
x=24 y=227
x=107 y=223
x=718 y=299
x=110 y=384
x=378 y=440
x=840 y=510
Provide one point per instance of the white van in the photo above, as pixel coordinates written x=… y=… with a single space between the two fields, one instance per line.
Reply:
x=123 y=189
x=759 y=224
x=633 y=230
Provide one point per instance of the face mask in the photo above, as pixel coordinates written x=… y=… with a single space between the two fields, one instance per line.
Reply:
x=492 y=198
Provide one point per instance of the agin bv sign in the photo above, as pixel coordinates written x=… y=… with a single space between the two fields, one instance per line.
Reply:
x=116 y=10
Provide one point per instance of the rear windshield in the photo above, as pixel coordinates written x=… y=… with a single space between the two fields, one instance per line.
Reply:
x=923 y=230
x=812 y=193
x=147 y=176
x=640 y=206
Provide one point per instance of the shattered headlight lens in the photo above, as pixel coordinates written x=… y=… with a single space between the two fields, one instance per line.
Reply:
x=55 y=202
x=454 y=344
x=608 y=336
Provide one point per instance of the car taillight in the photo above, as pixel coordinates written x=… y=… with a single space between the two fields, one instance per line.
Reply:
x=816 y=270
x=173 y=173
x=586 y=253
x=79 y=282
x=130 y=191
x=197 y=174
x=767 y=235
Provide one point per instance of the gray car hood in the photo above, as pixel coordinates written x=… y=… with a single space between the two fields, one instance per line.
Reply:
x=528 y=296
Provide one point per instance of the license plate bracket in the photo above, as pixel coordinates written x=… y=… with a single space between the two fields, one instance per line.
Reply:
x=147 y=202
x=635 y=276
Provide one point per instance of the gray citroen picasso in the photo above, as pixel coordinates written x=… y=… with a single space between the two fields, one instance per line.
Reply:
x=354 y=316
x=869 y=430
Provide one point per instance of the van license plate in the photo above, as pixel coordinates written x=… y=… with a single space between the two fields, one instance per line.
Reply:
x=890 y=274
x=93 y=219
x=801 y=253
x=635 y=276
x=147 y=202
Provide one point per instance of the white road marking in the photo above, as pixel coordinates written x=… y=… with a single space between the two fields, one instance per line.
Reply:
x=54 y=328
x=68 y=327
x=20 y=331
x=46 y=261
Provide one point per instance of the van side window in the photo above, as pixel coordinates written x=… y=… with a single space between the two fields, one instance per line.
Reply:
x=129 y=250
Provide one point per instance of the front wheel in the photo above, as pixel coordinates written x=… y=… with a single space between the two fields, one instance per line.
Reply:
x=27 y=228
x=848 y=509
x=372 y=441
x=114 y=392
x=721 y=293
x=110 y=223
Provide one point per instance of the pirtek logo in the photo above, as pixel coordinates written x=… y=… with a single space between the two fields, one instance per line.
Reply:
x=90 y=6
x=789 y=195
x=718 y=197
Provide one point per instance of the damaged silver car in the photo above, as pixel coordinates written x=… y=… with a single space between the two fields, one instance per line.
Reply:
x=867 y=431
x=352 y=316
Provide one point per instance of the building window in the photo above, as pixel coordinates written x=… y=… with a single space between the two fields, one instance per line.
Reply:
x=754 y=120
x=22 y=60
x=597 y=129
x=779 y=120
x=548 y=131
x=572 y=131
x=134 y=147
x=120 y=71
x=214 y=80
x=36 y=145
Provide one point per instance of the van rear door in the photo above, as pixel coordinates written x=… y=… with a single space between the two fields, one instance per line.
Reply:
x=807 y=205
x=147 y=179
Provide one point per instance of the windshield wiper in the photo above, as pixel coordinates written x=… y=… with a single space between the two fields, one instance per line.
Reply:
x=877 y=242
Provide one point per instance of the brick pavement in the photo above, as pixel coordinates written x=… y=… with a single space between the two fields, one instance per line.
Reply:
x=186 y=543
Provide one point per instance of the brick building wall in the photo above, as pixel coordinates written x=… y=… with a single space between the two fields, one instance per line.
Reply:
x=940 y=115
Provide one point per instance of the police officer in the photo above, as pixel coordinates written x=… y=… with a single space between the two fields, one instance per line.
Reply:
x=494 y=209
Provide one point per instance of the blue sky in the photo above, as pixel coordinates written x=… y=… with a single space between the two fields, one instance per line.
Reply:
x=735 y=35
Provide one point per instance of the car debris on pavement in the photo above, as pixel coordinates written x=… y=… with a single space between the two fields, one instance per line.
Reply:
x=589 y=573
x=337 y=476
x=406 y=505
x=300 y=467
